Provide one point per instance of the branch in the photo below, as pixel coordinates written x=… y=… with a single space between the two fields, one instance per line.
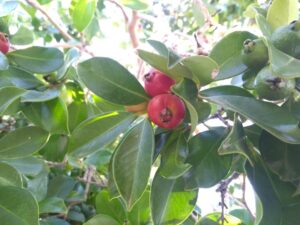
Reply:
x=244 y=197
x=223 y=190
x=37 y=6
x=122 y=10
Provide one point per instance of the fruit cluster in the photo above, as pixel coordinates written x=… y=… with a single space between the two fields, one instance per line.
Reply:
x=268 y=85
x=164 y=109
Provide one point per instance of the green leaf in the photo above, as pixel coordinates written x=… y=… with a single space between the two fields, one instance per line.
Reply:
x=166 y=196
x=282 y=12
x=19 y=78
x=40 y=96
x=102 y=219
x=160 y=47
x=279 y=206
x=56 y=148
x=9 y=176
x=173 y=156
x=22 y=142
x=132 y=162
x=235 y=142
x=213 y=219
x=136 y=4
x=208 y=167
x=53 y=221
x=50 y=115
x=140 y=213
x=265 y=114
x=110 y=207
x=264 y=26
x=78 y=112
x=17 y=207
x=111 y=81
x=7 y=7
x=230 y=46
x=53 y=205
x=3 y=62
x=71 y=57
x=202 y=68
x=60 y=186
x=232 y=67
x=38 y=59
x=38 y=185
x=94 y=133
x=282 y=64
x=282 y=158
x=161 y=63
x=82 y=13
x=198 y=13
x=188 y=91
x=7 y=96
x=23 y=36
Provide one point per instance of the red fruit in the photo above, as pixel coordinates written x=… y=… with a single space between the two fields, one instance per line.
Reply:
x=166 y=110
x=4 y=43
x=157 y=83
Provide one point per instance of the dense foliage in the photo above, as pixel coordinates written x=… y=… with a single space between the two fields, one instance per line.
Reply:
x=83 y=142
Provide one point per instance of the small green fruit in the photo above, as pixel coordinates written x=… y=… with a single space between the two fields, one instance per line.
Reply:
x=255 y=53
x=271 y=87
x=287 y=38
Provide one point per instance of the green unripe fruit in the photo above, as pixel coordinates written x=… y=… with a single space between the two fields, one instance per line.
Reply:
x=287 y=38
x=255 y=53
x=271 y=87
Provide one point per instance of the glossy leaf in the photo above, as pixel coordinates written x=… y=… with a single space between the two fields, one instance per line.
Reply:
x=71 y=56
x=102 y=219
x=173 y=157
x=22 y=142
x=53 y=205
x=160 y=47
x=94 y=133
x=23 y=36
x=111 y=81
x=208 y=167
x=212 y=219
x=38 y=59
x=187 y=91
x=7 y=96
x=161 y=63
x=264 y=26
x=26 y=211
x=9 y=176
x=282 y=158
x=50 y=115
x=40 y=96
x=232 y=67
x=202 y=68
x=166 y=196
x=140 y=213
x=78 y=112
x=282 y=12
x=38 y=185
x=56 y=148
x=266 y=115
x=82 y=13
x=132 y=162
x=60 y=186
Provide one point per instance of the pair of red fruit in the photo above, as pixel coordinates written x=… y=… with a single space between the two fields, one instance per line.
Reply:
x=165 y=109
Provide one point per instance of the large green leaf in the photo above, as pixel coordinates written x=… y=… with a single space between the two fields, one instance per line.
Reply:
x=173 y=156
x=111 y=81
x=279 y=205
x=202 y=68
x=82 y=13
x=208 y=167
x=50 y=115
x=264 y=26
x=7 y=96
x=94 y=133
x=23 y=36
x=19 y=78
x=282 y=12
x=282 y=158
x=53 y=205
x=132 y=162
x=9 y=176
x=188 y=91
x=56 y=148
x=38 y=59
x=102 y=219
x=140 y=213
x=22 y=142
x=60 y=186
x=161 y=63
x=17 y=207
x=78 y=112
x=170 y=204
x=232 y=67
x=265 y=114
x=40 y=96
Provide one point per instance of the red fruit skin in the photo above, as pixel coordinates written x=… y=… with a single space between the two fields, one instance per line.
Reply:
x=166 y=110
x=4 y=43
x=157 y=83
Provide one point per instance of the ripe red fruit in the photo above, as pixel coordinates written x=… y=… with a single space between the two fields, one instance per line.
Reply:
x=157 y=83
x=4 y=43
x=166 y=110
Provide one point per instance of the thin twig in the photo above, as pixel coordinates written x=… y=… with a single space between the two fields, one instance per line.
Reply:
x=244 y=197
x=126 y=18
x=88 y=179
x=223 y=190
